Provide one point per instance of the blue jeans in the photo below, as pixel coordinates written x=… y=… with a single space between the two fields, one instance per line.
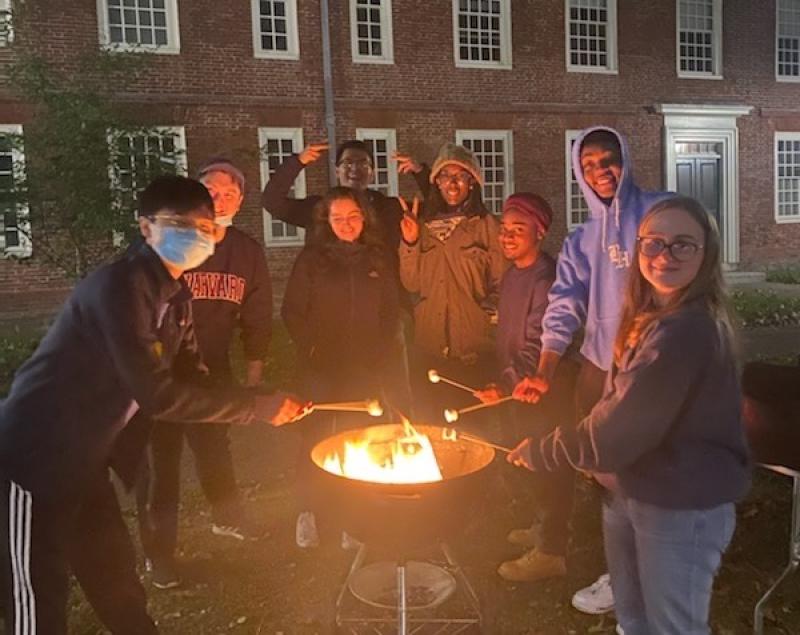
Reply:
x=662 y=563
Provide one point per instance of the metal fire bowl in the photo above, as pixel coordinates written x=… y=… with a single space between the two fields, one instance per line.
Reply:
x=402 y=517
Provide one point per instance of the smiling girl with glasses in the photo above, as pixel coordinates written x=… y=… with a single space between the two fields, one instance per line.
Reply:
x=666 y=440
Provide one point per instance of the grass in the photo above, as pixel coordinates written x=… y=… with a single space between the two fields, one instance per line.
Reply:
x=765 y=308
x=784 y=275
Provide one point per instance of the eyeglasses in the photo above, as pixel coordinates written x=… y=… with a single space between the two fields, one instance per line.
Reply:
x=360 y=164
x=461 y=178
x=680 y=250
x=205 y=226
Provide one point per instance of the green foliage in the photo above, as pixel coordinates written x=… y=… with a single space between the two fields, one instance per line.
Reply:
x=765 y=308
x=77 y=144
x=784 y=275
x=14 y=349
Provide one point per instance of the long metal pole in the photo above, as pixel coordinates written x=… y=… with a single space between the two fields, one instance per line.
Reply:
x=402 y=599
x=327 y=80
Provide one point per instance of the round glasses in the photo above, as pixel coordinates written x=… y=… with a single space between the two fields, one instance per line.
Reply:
x=680 y=250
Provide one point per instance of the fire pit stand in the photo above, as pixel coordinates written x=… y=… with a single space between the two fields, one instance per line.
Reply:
x=461 y=612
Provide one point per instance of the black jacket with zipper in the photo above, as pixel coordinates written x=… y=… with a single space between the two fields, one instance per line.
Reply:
x=341 y=310
x=116 y=347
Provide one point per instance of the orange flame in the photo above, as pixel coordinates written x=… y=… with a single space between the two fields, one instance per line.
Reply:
x=408 y=458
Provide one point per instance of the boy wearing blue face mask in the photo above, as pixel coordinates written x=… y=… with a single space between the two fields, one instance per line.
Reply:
x=113 y=350
x=231 y=290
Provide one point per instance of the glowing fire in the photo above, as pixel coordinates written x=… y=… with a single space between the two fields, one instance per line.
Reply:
x=404 y=458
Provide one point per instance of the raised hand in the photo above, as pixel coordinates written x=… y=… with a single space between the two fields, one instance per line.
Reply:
x=531 y=389
x=409 y=224
x=312 y=152
x=406 y=163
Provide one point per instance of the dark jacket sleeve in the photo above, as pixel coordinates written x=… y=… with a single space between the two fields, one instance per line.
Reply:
x=296 y=307
x=275 y=199
x=526 y=360
x=423 y=179
x=647 y=398
x=124 y=312
x=256 y=311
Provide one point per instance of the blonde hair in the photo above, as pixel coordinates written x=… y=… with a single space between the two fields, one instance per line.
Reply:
x=639 y=309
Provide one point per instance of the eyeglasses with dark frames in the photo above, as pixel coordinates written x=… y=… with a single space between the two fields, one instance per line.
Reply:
x=680 y=250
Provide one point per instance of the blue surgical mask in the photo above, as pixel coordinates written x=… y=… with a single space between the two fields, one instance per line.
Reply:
x=224 y=221
x=183 y=247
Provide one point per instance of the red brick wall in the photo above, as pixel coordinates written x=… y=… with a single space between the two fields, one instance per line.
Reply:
x=222 y=94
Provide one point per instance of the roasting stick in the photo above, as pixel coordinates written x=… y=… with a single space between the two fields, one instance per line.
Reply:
x=370 y=406
x=434 y=377
x=451 y=415
x=450 y=434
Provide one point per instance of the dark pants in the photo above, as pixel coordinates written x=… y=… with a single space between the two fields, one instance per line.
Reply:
x=42 y=539
x=158 y=489
x=588 y=388
x=553 y=492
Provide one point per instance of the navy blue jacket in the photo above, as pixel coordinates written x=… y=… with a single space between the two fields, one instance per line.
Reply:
x=668 y=430
x=116 y=347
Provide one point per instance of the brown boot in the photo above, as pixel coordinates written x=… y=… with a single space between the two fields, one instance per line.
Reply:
x=533 y=565
x=524 y=537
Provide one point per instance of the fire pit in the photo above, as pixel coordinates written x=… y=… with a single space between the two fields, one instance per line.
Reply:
x=400 y=488
x=391 y=498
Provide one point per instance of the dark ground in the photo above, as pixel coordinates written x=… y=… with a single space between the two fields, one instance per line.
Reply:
x=272 y=587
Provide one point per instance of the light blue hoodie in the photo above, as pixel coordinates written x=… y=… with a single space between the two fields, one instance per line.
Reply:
x=594 y=262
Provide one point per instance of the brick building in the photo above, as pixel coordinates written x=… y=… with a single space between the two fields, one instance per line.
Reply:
x=706 y=91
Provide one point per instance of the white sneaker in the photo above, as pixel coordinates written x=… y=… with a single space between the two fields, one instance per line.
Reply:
x=305 y=531
x=597 y=598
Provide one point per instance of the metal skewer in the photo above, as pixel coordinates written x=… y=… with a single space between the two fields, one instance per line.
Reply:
x=451 y=415
x=434 y=377
x=450 y=434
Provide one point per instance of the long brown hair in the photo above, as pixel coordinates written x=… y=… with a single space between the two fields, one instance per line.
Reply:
x=322 y=238
x=639 y=309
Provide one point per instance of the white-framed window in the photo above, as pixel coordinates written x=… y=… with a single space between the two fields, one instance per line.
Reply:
x=276 y=145
x=371 y=31
x=275 y=29
x=382 y=144
x=482 y=33
x=577 y=208
x=787 y=40
x=6 y=23
x=787 y=177
x=15 y=228
x=699 y=39
x=494 y=151
x=138 y=157
x=591 y=34
x=139 y=25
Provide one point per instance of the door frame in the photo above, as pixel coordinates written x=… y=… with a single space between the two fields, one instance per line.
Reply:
x=698 y=123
